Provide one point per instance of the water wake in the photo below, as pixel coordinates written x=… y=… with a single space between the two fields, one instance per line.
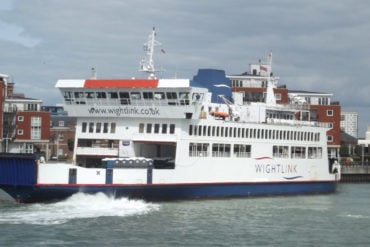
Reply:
x=78 y=206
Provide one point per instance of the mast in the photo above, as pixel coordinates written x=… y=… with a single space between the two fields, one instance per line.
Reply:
x=269 y=61
x=270 y=96
x=147 y=63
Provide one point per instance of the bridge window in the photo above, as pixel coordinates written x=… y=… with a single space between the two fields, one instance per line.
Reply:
x=113 y=95
x=159 y=95
x=147 y=95
x=135 y=95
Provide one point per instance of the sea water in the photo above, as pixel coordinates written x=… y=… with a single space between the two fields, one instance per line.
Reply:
x=340 y=219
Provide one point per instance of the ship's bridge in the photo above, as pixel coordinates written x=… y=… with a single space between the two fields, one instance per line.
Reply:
x=157 y=98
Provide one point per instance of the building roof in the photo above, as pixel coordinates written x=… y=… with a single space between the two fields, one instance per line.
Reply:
x=346 y=138
x=18 y=98
x=55 y=119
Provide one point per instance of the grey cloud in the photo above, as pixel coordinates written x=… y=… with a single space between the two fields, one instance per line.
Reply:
x=317 y=45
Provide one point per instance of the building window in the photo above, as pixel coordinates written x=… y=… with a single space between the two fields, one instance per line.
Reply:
x=329 y=113
x=20 y=132
x=27 y=148
x=60 y=137
x=61 y=123
x=330 y=138
x=20 y=118
x=330 y=125
x=35 y=127
x=278 y=96
x=30 y=107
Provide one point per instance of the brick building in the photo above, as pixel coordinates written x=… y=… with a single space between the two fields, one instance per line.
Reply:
x=24 y=127
x=323 y=110
x=62 y=133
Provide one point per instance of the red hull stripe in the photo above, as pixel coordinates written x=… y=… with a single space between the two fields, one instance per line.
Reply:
x=115 y=83
x=180 y=184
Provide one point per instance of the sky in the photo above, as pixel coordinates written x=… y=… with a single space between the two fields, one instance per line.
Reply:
x=320 y=46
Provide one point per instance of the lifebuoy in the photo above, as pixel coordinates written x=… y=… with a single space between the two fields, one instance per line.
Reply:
x=219 y=114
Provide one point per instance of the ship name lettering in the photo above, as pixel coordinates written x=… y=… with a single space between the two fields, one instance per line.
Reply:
x=276 y=168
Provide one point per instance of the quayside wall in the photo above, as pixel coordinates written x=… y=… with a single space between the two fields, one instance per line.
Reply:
x=355 y=174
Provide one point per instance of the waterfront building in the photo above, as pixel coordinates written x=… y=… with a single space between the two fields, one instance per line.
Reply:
x=62 y=133
x=24 y=127
x=349 y=123
x=325 y=111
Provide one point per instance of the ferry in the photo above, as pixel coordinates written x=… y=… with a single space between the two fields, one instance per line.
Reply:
x=175 y=139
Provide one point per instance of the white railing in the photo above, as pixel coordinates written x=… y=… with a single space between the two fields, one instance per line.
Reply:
x=97 y=151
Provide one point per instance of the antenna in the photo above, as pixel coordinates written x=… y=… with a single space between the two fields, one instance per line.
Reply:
x=269 y=60
x=147 y=63
x=93 y=73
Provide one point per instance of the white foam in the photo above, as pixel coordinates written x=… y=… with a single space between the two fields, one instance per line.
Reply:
x=357 y=216
x=78 y=206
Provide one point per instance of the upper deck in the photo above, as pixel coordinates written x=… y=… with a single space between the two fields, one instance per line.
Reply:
x=164 y=98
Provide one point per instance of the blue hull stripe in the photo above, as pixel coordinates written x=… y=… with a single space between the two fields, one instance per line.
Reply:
x=40 y=193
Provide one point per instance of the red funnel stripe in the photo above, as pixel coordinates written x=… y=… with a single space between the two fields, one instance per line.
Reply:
x=116 y=83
